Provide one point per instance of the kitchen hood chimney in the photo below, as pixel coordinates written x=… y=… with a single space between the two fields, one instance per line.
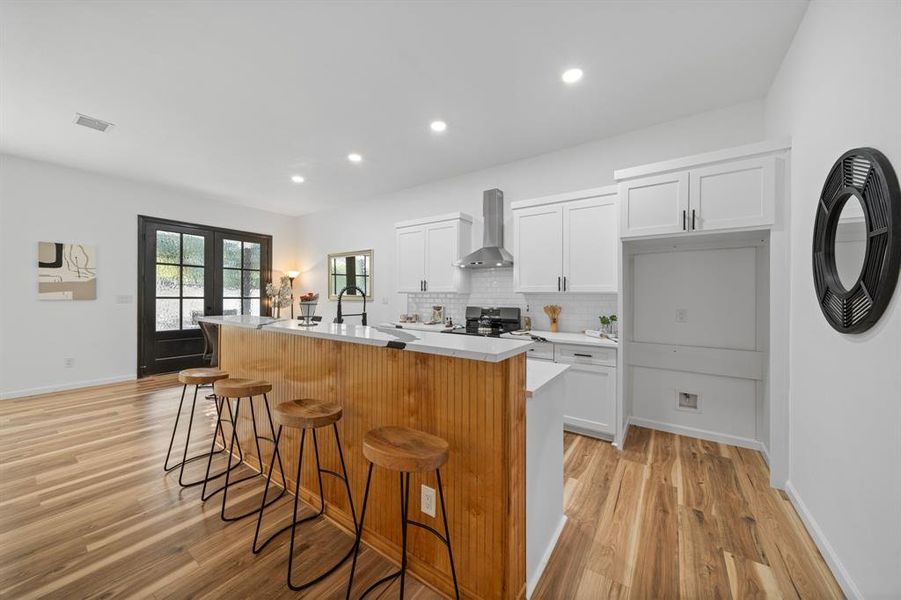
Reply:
x=492 y=253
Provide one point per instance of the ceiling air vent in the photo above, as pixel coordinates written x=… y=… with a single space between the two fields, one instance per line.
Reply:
x=91 y=122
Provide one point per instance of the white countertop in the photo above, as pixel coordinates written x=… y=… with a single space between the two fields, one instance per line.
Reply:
x=246 y=321
x=438 y=327
x=539 y=373
x=567 y=338
x=460 y=346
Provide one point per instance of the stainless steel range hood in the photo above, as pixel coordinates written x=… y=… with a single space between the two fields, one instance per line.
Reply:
x=492 y=253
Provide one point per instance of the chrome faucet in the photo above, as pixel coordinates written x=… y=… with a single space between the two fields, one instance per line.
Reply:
x=340 y=317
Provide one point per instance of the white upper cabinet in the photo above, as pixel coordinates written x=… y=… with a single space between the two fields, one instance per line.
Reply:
x=590 y=244
x=538 y=249
x=427 y=250
x=410 y=259
x=735 y=188
x=566 y=243
x=654 y=205
x=733 y=194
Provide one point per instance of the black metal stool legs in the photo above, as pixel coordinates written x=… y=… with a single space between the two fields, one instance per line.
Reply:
x=257 y=438
x=207 y=478
x=294 y=520
x=181 y=465
x=405 y=521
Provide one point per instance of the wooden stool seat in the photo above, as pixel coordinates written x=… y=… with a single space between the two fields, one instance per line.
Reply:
x=201 y=376
x=307 y=413
x=238 y=387
x=404 y=449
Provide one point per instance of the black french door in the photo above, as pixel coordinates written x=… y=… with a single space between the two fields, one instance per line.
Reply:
x=186 y=271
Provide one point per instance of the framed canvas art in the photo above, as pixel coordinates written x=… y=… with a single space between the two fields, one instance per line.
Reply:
x=66 y=271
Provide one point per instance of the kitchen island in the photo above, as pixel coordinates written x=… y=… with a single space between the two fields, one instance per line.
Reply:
x=471 y=391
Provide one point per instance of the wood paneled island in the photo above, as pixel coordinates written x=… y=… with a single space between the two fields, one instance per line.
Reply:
x=470 y=391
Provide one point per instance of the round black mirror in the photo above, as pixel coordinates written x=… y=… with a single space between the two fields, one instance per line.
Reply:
x=857 y=240
x=850 y=242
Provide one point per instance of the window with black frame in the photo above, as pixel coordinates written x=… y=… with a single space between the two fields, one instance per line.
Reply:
x=352 y=269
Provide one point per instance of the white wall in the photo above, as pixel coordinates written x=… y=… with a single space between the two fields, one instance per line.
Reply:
x=370 y=224
x=838 y=88
x=44 y=202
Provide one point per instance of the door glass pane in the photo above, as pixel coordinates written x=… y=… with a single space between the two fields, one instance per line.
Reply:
x=231 y=306
x=251 y=256
x=166 y=314
x=192 y=281
x=191 y=308
x=231 y=253
x=231 y=283
x=251 y=307
x=193 y=249
x=251 y=284
x=168 y=247
x=167 y=280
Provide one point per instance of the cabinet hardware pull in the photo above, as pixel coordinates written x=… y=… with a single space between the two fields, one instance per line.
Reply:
x=582 y=355
x=425 y=285
x=693 y=225
x=683 y=220
x=558 y=283
x=564 y=283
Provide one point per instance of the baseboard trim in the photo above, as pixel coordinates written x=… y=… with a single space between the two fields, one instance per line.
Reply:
x=539 y=570
x=819 y=538
x=47 y=389
x=589 y=431
x=703 y=434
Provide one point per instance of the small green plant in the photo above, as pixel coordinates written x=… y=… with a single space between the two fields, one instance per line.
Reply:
x=605 y=320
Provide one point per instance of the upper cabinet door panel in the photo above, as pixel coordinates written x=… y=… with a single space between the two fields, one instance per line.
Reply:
x=538 y=249
x=410 y=259
x=654 y=205
x=441 y=253
x=590 y=243
x=734 y=194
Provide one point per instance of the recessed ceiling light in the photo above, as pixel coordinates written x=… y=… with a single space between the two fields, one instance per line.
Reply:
x=354 y=157
x=297 y=178
x=571 y=75
x=438 y=126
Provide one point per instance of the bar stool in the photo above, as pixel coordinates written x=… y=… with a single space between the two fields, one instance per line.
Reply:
x=240 y=388
x=407 y=451
x=305 y=414
x=196 y=377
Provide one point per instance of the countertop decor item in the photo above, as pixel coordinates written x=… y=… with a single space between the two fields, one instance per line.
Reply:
x=553 y=313
x=857 y=240
x=280 y=296
x=308 y=303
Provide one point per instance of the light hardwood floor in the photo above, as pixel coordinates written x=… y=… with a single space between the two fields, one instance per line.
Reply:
x=85 y=511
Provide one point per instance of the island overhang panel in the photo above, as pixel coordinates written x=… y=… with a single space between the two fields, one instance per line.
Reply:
x=477 y=406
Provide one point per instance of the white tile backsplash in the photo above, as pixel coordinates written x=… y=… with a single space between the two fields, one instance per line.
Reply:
x=494 y=287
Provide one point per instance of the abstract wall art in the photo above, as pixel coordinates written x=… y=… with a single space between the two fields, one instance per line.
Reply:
x=66 y=271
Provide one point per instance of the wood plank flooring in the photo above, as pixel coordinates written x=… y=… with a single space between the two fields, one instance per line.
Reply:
x=86 y=512
x=678 y=517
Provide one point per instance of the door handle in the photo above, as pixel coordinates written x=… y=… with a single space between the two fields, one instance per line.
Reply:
x=693 y=224
x=683 y=220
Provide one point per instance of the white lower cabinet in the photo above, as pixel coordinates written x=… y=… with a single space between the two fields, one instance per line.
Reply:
x=589 y=405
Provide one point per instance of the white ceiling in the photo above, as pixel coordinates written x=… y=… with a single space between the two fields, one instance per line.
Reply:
x=232 y=98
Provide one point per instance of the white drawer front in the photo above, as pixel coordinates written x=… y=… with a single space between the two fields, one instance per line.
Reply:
x=542 y=351
x=585 y=355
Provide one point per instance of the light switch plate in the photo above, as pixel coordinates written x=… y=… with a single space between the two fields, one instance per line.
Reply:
x=681 y=315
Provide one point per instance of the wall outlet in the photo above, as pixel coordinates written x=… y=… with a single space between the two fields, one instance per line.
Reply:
x=427 y=500
x=681 y=315
x=69 y=362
